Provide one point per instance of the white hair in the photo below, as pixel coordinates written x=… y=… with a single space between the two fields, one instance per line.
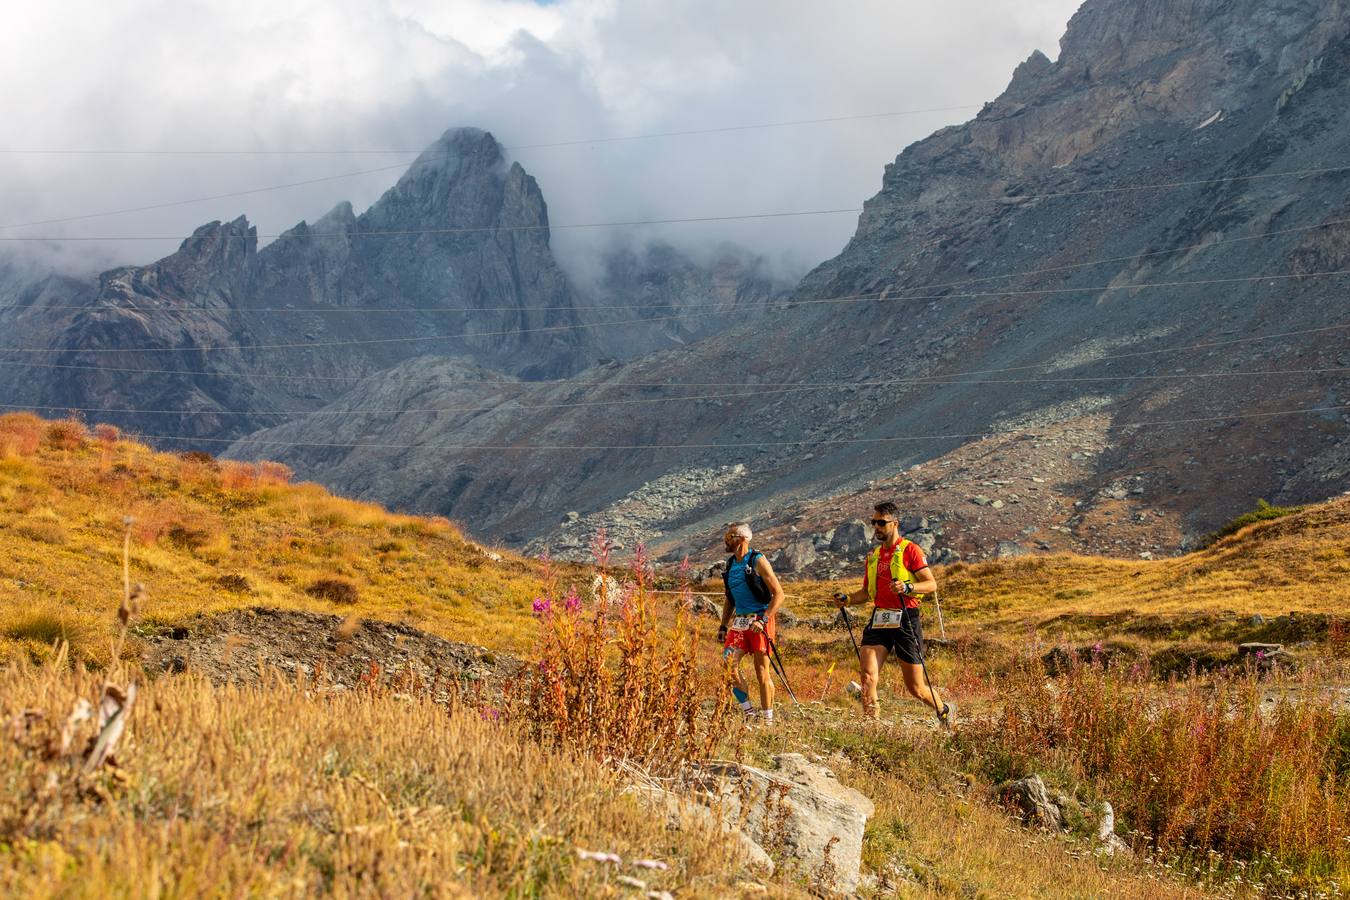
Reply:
x=742 y=529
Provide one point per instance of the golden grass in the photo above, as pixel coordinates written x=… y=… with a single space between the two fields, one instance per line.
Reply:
x=285 y=790
x=936 y=833
x=210 y=536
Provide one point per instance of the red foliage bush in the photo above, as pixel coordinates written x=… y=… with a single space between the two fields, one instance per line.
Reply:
x=67 y=434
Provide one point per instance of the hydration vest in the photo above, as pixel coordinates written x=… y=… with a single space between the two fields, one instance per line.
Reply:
x=898 y=571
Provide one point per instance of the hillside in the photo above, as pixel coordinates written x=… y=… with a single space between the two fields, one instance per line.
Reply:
x=208 y=536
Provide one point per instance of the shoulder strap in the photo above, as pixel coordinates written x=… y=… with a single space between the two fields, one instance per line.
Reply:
x=898 y=558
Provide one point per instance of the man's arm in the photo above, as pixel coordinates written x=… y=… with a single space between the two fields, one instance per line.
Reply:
x=766 y=572
x=925 y=582
x=727 y=610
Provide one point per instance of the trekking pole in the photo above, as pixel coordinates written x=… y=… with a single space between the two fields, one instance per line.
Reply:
x=849 y=623
x=778 y=667
x=942 y=629
x=918 y=646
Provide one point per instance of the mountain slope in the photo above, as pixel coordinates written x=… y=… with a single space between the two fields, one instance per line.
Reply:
x=1058 y=179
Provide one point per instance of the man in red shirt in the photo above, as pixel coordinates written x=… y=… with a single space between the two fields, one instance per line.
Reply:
x=897 y=576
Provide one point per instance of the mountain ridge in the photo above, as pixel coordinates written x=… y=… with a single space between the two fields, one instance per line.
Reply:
x=1060 y=170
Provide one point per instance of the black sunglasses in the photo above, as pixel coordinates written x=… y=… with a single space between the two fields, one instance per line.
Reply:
x=881 y=523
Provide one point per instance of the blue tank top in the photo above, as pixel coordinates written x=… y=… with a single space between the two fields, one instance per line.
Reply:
x=744 y=598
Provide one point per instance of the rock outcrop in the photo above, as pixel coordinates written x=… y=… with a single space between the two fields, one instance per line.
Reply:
x=796 y=815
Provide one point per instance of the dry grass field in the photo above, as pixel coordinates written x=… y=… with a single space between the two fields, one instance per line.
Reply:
x=1234 y=782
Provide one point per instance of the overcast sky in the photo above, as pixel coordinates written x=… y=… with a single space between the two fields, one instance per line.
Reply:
x=346 y=75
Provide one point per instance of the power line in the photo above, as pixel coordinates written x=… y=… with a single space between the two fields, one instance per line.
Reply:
x=932 y=380
x=467 y=229
x=739 y=446
x=849 y=299
x=669 y=384
x=1007 y=200
x=515 y=147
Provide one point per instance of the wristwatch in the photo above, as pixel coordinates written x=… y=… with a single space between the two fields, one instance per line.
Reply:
x=908 y=588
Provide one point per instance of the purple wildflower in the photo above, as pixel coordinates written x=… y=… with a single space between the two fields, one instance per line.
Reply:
x=542 y=606
x=1260 y=655
x=572 y=602
x=491 y=714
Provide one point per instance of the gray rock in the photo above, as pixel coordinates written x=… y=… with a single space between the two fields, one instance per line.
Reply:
x=911 y=524
x=1033 y=801
x=1109 y=843
x=795 y=557
x=683 y=813
x=851 y=539
x=926 y=542
x=798 y=812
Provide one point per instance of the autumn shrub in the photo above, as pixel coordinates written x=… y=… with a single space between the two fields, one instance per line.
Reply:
x=334 y=590
x=1264 y=512
x=21 y=433
x=615 y=684
x=234 y=583
x=274 y=473
x=237 y=476
x=66 y=434
x=107 y=434
x=1195 y=764
x=188 y=536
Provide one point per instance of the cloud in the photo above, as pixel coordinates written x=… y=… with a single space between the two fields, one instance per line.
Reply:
x=363 y=75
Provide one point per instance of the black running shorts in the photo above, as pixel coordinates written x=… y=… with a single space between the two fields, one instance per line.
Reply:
x=905 y=642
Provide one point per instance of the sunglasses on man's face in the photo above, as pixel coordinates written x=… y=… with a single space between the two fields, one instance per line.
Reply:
x=880 y=523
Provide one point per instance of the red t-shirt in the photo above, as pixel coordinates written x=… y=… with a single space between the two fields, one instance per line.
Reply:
x=887 y=598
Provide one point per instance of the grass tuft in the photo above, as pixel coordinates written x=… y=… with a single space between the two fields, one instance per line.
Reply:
x=1264 y=512
x=334 y=590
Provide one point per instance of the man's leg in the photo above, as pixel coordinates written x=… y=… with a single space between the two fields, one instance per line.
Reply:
x=918 y=686
x=765 y=677
x=739 y=689
x=871 y=658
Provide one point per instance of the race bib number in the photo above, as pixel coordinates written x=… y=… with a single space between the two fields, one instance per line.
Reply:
x=888 y=618
x=742 y=623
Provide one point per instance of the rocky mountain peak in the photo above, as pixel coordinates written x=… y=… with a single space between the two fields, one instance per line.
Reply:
x=459 y=180
x=340 y=218
x=228 y=246
x=1111 y=36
